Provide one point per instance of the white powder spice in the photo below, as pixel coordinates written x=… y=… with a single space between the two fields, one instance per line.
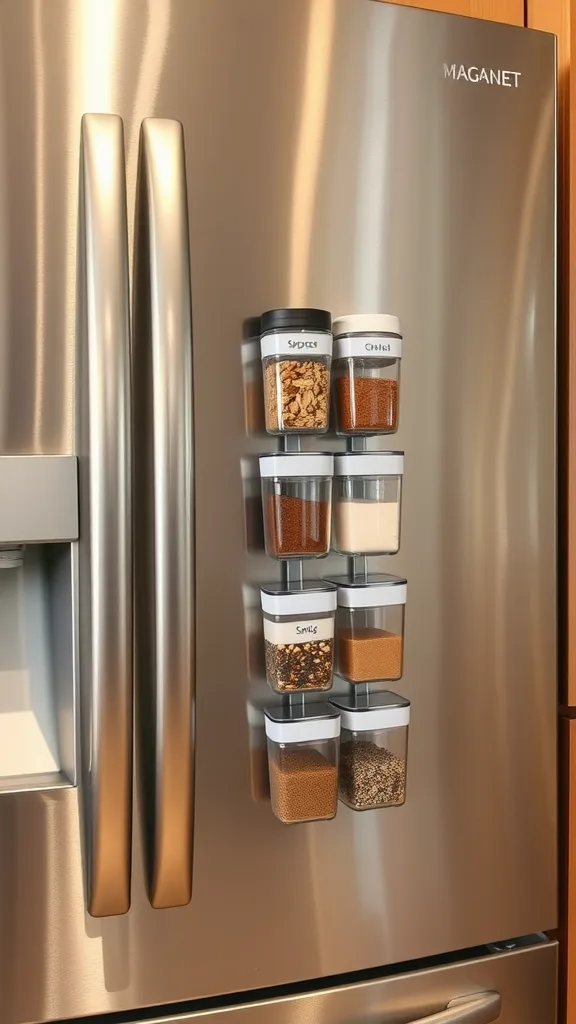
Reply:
x=361 y=527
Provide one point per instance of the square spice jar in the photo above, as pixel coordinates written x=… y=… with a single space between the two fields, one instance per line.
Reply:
x=297 y=503
x=366 y=502
x=299 y=636
x=373 y=749
x=303 y=762
x=296 y=350
x=366 y=373
x=370 y=627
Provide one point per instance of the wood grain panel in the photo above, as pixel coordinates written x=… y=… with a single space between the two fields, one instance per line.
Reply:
x=511 y=11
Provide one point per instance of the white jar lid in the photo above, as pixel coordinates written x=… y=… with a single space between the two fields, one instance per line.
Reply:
x=366 y=323
x=314 y=596
x=377 y=590
x=369 y=464
x=384 y=710
x=286 y=464
x=294 y=725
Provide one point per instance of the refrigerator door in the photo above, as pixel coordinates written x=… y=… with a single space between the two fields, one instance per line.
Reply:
x=340 y=154
x=512 y=988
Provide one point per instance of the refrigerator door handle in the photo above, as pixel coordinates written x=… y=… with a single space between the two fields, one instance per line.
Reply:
x=480 y=1008
x=104 y=552
x=164 y=560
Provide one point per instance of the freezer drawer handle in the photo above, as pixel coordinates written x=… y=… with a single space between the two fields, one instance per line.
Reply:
x=480 y=1008
x=104 y=552
x=164 y=525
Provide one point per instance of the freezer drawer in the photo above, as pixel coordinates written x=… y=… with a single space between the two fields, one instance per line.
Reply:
x=517 y=987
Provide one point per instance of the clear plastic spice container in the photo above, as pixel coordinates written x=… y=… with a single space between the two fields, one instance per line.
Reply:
x=299 y=636
x=296 y=348
x=366 y=502
x=370 y=627
x=303 y=761
x=296 y=500
x=373 y=750
x=366 y=373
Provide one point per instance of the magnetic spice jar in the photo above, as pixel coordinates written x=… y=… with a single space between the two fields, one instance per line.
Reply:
x=299 y=636
x=296 y=500
x=366 y=373
x=303 y=762
x=296 y=349
x=370 y=627
x=373 y=750
x=366 y=502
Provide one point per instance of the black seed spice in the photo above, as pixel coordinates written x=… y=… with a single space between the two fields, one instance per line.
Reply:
x=305 y=666
x=371 y=776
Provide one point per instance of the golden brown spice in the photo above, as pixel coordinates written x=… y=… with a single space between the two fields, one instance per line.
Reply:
x=366 y=654
x=303 y=785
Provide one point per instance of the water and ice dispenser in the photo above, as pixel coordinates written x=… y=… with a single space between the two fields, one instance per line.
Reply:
x=38 y=523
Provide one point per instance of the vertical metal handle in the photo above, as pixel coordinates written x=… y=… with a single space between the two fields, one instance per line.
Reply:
x=164 y=559
x=105 y=547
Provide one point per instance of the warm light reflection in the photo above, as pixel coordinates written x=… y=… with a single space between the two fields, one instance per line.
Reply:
x=309 y=145
x=97 y=72
x=93 y=59
x=370 y=251
x=159 y=14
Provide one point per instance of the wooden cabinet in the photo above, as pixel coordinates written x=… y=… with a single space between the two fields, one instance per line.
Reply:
x=511 y=11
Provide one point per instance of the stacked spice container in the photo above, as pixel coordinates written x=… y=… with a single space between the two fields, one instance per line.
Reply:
x=367 y=354
x=370 y=627
x=296 y=350
x=297 y=501
x=373 y=747
x=303 y=762
x=299 y=636
x=366 y=521
x=367 y=500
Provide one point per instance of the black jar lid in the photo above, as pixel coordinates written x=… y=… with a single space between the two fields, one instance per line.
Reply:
x=292 y=318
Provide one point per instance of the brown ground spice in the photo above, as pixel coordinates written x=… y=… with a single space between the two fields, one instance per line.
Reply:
x=372 y=404
x=294 y=526
x=371 y=776
x=303 y=785
x=369 y=654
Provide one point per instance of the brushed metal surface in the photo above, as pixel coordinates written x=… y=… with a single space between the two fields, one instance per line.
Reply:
x=104 y=552
x=164 y=555
x=39 y=499
x=481 y=1008
x=524 y=980
x=328 y=163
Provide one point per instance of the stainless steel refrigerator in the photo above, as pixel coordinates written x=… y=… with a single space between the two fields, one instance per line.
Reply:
x=170 y=169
